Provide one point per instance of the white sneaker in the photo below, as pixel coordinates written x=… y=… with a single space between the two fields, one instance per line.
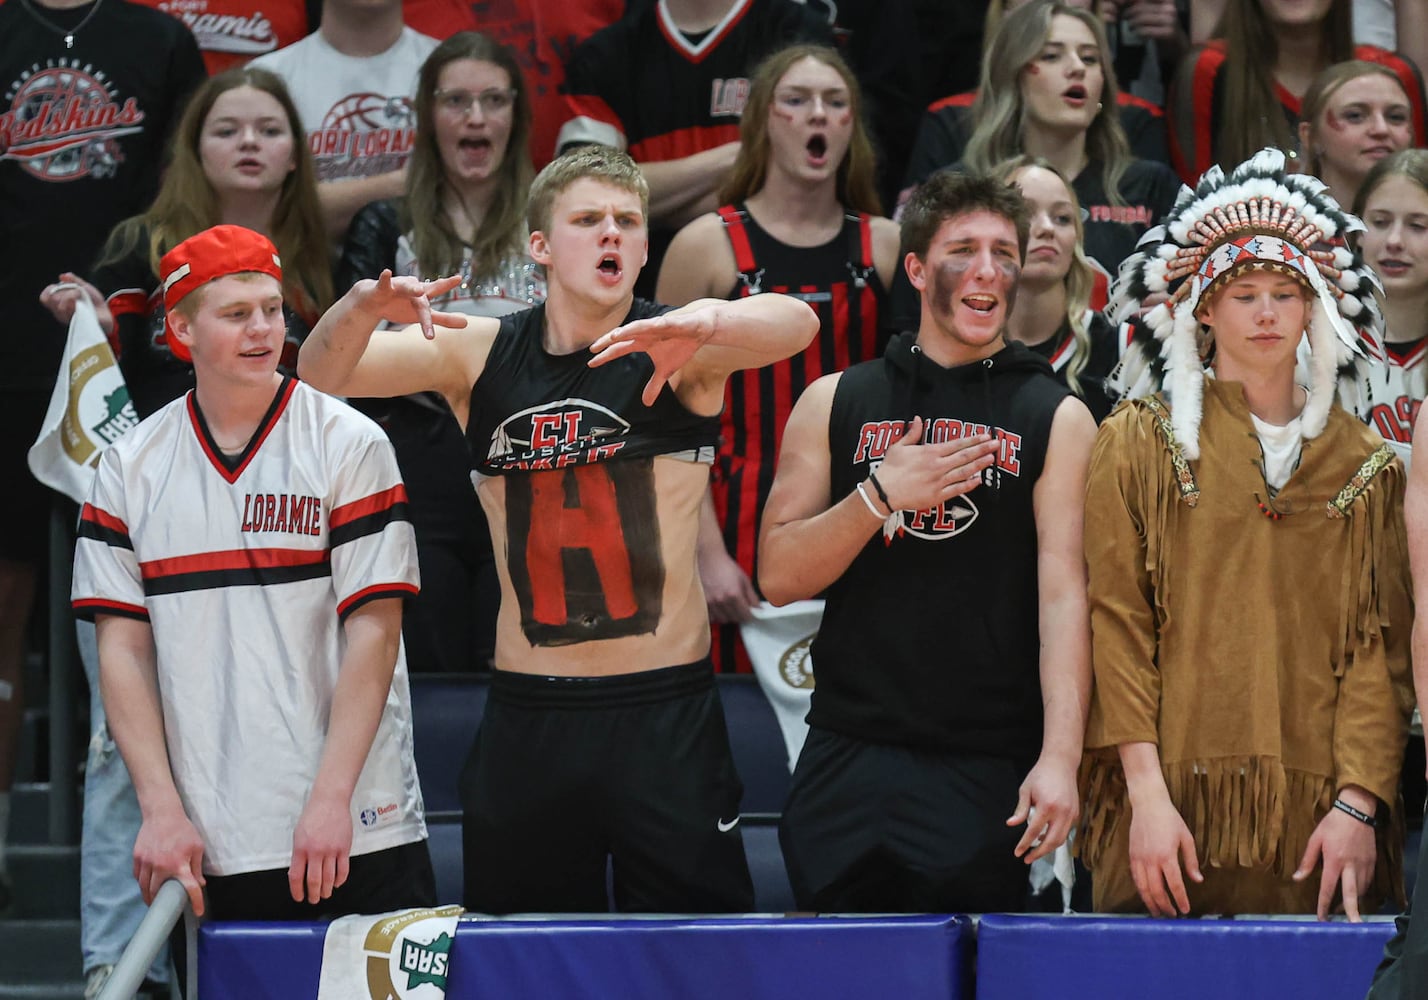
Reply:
x=95 y=980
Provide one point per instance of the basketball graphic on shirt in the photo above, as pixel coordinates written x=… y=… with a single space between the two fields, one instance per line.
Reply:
x=363 y=135
x=370 y=111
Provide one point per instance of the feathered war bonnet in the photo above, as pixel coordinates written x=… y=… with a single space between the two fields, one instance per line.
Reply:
x=1257 y=218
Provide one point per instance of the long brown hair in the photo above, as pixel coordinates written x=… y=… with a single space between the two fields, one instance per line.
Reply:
x=502 y=230
x=1251 y=116
x=856 y=174
x=187 y=203
x=998 y=113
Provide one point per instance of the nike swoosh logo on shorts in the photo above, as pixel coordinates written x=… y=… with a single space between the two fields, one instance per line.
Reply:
x=726 y=827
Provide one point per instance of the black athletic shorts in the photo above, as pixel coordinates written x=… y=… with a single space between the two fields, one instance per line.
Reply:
x=877 y=828
x=397 y=878
x=568 y=772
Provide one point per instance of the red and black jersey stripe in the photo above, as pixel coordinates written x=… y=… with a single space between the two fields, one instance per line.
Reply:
x=838 y=280
x=102 y=526
x=234 y=568
x=376 y=592
x=367 y=516
x=88 y=608
x=674 y=96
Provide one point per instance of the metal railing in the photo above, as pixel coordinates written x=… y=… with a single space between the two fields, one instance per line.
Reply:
x=170 y=903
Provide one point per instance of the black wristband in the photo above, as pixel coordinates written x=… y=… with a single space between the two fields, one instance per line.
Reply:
x=1357 y=814
x=882 y=493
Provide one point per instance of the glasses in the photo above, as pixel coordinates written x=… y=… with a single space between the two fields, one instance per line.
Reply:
x=493 y=101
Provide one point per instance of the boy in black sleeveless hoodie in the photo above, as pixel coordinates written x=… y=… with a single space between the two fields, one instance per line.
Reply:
x=936 y=497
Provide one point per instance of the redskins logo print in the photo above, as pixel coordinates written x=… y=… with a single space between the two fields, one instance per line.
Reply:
x=62 y=122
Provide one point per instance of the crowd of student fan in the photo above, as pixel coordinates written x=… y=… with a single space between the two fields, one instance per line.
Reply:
x=900 y=417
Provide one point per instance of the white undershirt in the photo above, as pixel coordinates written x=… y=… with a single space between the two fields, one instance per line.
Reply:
x=1281 y=446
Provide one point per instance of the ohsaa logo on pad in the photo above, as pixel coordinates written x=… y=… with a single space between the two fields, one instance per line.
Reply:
x=408 y=955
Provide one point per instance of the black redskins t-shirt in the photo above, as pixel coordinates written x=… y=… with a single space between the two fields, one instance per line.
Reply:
x=82 y=131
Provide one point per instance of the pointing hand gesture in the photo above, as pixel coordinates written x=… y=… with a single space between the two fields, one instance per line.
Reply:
x=406 y=300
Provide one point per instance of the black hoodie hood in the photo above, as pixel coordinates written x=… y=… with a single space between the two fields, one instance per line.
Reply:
x=904 y=354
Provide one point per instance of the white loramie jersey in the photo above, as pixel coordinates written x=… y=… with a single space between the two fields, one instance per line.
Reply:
x=1387 y=396
x=246 y=569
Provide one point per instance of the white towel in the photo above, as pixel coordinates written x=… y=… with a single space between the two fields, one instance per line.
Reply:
x=403 y=955
x=778 y=641
x=89 y=409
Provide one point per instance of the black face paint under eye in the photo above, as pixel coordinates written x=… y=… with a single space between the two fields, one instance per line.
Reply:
x=1011 y=277
x=950 y=280
x=946 y=280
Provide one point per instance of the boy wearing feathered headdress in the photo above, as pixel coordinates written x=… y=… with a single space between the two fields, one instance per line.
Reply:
x=1248 y=577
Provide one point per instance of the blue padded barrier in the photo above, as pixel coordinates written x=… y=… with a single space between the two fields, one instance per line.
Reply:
x=748 y=958
x=1113 y=958
x=447 y=708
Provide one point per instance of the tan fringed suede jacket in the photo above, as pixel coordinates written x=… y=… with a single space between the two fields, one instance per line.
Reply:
x=1262 y=643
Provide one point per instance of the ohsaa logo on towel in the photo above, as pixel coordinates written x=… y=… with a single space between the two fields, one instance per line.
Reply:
x=89 y=410
x=795 y=666
x=408 y=955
